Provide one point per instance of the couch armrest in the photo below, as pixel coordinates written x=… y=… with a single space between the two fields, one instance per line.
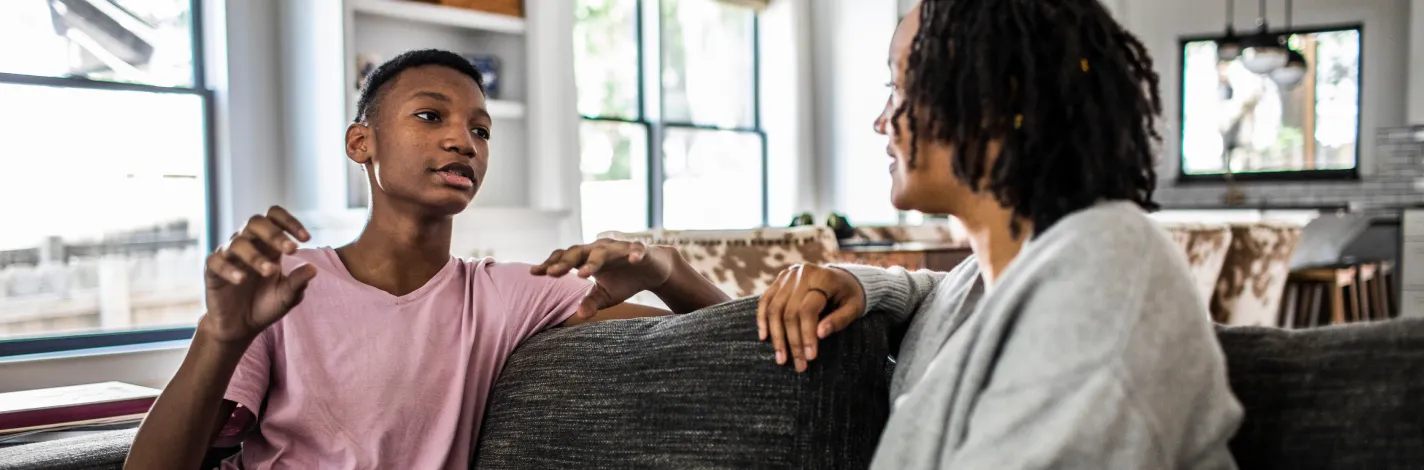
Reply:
x=104 y=450
x=100 y=451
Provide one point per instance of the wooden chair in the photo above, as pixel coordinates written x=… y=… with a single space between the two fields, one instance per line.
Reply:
x=1383 y=292
x=1320 y=296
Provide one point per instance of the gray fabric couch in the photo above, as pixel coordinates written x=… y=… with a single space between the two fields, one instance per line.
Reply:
x=698 y=391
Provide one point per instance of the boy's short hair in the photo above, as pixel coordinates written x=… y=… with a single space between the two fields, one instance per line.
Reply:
x=378 y=83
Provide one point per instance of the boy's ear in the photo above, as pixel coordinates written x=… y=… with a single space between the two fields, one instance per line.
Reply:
x=359 y=140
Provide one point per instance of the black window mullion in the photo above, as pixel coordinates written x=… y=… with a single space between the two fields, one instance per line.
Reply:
x=656 y=171
x=756 y=118
x=195 y=29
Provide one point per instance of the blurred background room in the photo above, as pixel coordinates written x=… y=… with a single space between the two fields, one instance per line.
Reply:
x=135 y=135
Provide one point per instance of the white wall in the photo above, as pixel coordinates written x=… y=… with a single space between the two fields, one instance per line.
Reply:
x=1161 y=23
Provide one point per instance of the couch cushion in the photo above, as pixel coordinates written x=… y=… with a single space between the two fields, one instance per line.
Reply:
x=1347 y=396
x=689 y=391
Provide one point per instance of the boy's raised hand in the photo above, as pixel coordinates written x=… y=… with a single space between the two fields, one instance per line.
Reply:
x=621 y=269
x=246 y=289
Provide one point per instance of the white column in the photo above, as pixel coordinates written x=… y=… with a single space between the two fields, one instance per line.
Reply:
x=552 y=109
x=315 y=70
x=244 y=72
x=851 y=46
x=786 y=109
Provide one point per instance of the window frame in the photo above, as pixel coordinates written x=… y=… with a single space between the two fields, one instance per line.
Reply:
x=1351 y=174
x=11 y=348
x=654 y=130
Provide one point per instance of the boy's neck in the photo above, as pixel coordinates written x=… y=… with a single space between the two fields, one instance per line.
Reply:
x=398 y=253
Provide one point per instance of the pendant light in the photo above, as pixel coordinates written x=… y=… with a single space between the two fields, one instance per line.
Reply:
x=1264 y=51
x=1229 y=48
x=1290 y=74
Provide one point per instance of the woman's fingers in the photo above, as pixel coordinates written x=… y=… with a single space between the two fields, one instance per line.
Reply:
x=790 y=312
x=837 y=320
x=764 y=305
x=812 y=304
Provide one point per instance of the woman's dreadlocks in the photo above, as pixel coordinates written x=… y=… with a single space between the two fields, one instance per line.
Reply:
x=1070 y=93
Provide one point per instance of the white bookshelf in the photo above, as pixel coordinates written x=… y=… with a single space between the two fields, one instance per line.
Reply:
x=528 y=183
x=440 y=15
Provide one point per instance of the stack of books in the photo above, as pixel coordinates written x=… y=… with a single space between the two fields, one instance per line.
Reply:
x=74 y=406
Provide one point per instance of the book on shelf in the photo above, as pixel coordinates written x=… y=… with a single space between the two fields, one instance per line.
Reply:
x=78 y=405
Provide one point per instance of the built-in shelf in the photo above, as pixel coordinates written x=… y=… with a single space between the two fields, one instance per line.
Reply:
x=441 y=15
x=503 y=109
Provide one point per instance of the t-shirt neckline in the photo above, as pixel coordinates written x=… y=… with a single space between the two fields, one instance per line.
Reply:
x=413 y=296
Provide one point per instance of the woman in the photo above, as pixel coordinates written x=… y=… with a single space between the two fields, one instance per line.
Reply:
x=1073 y=338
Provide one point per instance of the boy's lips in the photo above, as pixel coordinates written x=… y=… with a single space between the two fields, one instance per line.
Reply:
x=457 y=174
x=457 y=180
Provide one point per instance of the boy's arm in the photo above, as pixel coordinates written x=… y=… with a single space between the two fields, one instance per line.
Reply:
x=189 y=413
x=685 y=291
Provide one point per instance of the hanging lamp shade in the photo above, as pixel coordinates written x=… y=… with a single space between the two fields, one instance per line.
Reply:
x=1290 y=74
x=1264 y=54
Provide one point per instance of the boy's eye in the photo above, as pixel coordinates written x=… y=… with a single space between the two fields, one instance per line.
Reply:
x=427 y=116
x=481 y=132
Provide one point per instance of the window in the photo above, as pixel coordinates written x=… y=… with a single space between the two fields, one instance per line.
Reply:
x=1267 y=131
x=105 y=155
x=668 y=92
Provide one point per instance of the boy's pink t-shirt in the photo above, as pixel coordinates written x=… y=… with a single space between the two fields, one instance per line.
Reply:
x=355 y=377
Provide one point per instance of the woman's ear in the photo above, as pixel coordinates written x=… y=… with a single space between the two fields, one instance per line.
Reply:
x=359 y=139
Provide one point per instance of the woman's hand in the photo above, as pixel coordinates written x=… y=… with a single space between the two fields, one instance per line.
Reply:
x=620 y=270
x=790 y=310
x=246 y=289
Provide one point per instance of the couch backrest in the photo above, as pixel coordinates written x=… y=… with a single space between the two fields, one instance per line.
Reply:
x=687 y=391
x=1349 y=396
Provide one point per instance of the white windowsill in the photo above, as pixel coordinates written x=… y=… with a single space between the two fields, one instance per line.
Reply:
x=98 y=352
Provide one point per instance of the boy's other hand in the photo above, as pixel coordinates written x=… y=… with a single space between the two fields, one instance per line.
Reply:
x=246 y=289
x=620 y=270
x=790 y=311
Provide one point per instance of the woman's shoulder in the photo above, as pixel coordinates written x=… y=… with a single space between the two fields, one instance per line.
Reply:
x=1108 y=235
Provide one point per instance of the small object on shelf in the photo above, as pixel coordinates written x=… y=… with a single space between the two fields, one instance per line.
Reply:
x=802 y=220
x=501 y=7
x=840 y=226
x=488 y=65
x=365 y=64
